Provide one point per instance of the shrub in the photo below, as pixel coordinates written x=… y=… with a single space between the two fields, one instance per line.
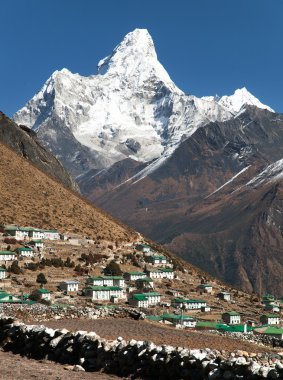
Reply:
x=41 y=279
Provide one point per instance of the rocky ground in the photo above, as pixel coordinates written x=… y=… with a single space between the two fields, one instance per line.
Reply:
x=20 y=367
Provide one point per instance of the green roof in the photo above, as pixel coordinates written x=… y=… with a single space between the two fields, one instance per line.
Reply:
x=184 y=300
x=270 y=315
x=105 y=278
x=42 y=290
x=7 y=253
x=158 y=257
x=205 y=286
x=2 y=269
x=97 y=288
x=177 y=317
x=232 y=313
x=35 y=241
x=143 y=245
x=152 y=294
x=139 y=297
x=24 y=249
x=136 y=273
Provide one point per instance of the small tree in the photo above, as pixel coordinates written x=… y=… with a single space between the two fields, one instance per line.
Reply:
x=113 y=269
x=15 y=268
x=41 y=279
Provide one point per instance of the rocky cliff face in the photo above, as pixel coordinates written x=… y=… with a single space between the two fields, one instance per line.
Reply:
x=25 y=143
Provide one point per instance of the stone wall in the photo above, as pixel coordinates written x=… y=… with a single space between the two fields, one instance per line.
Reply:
x=138 y=359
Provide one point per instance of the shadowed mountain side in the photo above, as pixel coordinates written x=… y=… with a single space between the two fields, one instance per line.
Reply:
x=24 y=141
x=30 y=197
x=159 y=204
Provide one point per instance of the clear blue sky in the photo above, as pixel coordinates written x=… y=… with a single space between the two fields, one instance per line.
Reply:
x=208 y=47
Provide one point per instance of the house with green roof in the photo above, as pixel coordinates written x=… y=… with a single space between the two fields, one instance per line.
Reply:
x=42 y=293
x=276 y=332
x=104 y=293
x=205 y=288
x=231 y=318
x=160 y=273
x=145 y=283
x=179 y=320
x=25 y=252
x=145 y=248
x=7 y=256
x=157 y=260
x=36 y=234
x=9 y=298
x=270 y=319
x=188 y=304
x=37 y=244
x=19 y=233
x=139 y=300
x=133 y=276
x=3 y=273
x=153 y=298
x=106 y=281
x=268 y=299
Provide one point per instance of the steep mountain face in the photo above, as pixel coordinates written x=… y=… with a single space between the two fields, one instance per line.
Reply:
x=24 y=141
x=182 y=202
x=162 y=160
x=130 y=109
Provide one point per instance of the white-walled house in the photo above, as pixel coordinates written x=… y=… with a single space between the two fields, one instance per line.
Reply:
x=270 y=319
x=224 y=296
x=139 y=300
x=69 y=286
x=160 y=273
x=104 y=293
x=7 y=256
x=145 y=248
x=205 y=288
x=51 y=235
x=38 y=244
x=133 y=276
x=19 y=233
x=231 y=318
x=3 y=273
x=144 y=283
x=157 y=260
x=188 y=304
x=36 y=234
x=180 y=320
x=25 y=252
x=106 y=281
x=43 y=294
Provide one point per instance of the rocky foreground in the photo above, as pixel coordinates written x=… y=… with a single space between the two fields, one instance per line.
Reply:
x=135 y=359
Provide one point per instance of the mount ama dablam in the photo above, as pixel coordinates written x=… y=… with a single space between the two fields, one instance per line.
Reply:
x=201 y=175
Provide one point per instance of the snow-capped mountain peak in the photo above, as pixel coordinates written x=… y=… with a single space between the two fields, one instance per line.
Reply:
x=134 y=61
x=236 y=102
x=239 y=99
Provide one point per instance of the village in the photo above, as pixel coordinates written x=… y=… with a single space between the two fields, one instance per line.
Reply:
x=51 y=268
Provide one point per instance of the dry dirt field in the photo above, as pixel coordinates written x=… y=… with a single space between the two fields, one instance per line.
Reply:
x=16 y=367
x=144 y=330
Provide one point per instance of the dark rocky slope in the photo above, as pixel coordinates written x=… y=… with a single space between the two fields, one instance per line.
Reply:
x=25 y=143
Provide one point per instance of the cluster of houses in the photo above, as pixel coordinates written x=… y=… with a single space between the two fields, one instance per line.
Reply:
x=30 y=233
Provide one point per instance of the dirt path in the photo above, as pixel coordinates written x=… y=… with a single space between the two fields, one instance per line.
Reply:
x=144 y=330
x=16 y=367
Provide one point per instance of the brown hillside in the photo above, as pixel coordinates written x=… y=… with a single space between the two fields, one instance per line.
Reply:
x=30 y=197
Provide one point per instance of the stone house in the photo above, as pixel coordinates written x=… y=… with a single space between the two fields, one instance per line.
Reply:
x=145 y=283
x=179 y=320
x=139 y=300
x=145 y=248
x=43 y=294
x=205 y=288
x=157 y=260
x=106 y=281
